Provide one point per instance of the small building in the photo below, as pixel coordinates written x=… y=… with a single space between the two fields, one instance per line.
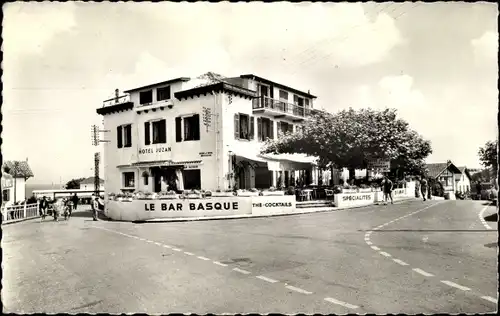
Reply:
x=14 y=176
x=463 y=180
x=446 y=173
x=88 y=184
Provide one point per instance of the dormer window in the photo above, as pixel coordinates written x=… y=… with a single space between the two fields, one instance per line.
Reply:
x=163 y=93
x=146 y=97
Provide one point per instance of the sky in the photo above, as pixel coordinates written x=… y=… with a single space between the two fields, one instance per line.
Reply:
x=436 y=63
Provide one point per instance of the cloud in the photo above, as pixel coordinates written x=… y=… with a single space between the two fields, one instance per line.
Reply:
x=399 y=92
x=29 y=26
x=486 y=47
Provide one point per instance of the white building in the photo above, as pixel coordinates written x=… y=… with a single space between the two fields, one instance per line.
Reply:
x=14 y=177
x=88 y=184
x=203 y=133
x=463 y=180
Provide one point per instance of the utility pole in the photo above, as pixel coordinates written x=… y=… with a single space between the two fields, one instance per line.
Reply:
x=16 y=168
x=95 y=134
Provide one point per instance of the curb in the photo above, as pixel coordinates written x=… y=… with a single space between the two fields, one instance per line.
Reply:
x=19 y=220
x=191 y=219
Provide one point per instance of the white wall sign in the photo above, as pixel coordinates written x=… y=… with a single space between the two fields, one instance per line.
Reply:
x=354 y=199
x=154 y=150
x=206 y=154
x=380 y=164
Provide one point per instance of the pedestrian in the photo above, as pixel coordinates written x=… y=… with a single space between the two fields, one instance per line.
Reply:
x=43 y=207
x=95 y=207
x=387 y=187
x=75 y=201
x=423 y=187
x=478 y=190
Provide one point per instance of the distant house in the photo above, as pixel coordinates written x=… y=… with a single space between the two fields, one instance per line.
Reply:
x=446 y=173
x=88 y=184
x=14 y=176
x=463 y=180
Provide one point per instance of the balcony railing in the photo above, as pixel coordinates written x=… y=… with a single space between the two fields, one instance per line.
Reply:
x=116 y=100
x=264 y=102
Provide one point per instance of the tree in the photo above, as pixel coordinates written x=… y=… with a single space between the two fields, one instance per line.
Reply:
x=349 y=138
x=73 y=184
x=488 y=155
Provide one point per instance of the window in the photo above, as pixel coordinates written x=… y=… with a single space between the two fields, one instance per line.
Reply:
x=244 y=126
x=192 y=127
x=306 y=102
x=128 y=179
x=187 y=127
x=283 y=95
x=192 y=179
x=146 y=97
x=146 y=179
x=284 y=100
x=159 y=131
x=265 y=128
x=147 y=133
x=284 y=127
x=124 y=135
x=163 y=93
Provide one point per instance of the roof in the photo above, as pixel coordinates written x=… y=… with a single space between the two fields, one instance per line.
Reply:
x=19 y=169
x=159 y=84
x=279 y=85
x=217 y=87
x=90 y=180
x=127 y=106
x=466 y=171
x=435 y=169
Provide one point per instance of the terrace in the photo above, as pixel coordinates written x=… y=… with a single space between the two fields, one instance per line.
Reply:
x=280 y=109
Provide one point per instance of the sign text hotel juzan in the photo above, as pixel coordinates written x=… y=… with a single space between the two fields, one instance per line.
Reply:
x=156 y=150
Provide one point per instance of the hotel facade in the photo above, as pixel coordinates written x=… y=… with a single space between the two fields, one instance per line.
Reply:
x=203 y=133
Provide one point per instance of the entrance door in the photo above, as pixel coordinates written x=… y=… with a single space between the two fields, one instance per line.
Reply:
x=156 y=180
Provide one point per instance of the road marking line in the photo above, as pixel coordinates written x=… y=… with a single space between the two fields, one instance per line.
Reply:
x=167 y=246
x=241 y=271
x=489 y=298
x=375 y=248
x=334 y=301
x=266 y=279
x=296 y=289
x=149 y=241
x=401 y=262
x=189 y=253
x=458 y=286
x=383 y=253
x=481 y=217
x=176 y=249
x=220 y=264
x=203 y=258
x=422 y=272
x=157 y=243
x=367 y=239
x=369 y=243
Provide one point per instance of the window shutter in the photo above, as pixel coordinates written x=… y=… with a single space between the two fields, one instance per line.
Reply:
x=196 y=126
x=271 y=129
x=278 y=127
x=251 y=131
x=259 y=128
x=236 y=126
x=178 y=129
x=128 y=138
x=147 y=135
x=163 y=131
x=119 y=136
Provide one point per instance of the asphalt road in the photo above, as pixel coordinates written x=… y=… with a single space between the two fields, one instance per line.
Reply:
x=430 y=257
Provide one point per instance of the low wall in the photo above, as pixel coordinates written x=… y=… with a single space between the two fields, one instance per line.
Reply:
x=140 y=210
x=354 y=199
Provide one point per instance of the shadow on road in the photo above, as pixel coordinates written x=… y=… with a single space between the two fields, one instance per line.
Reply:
x=491 y=218
x=432 y=230
x=82 y=214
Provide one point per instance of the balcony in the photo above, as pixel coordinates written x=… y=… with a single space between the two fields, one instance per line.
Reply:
x=116 y=100
x=116 y=104
x=280 y=109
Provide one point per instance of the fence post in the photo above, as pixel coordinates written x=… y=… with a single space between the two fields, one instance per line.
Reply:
x=24 y=210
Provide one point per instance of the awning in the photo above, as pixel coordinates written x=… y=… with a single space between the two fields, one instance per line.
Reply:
x=250 y=156
x=299 y=158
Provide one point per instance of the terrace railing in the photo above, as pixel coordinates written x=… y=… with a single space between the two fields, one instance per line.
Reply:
x=264 y=102
x=15 y=213
x=116 y=100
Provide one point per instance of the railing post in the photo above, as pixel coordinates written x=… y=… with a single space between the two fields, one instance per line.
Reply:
x=24 y=210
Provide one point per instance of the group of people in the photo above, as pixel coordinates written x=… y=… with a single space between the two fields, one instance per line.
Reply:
x=388 y=186
x=64 y=206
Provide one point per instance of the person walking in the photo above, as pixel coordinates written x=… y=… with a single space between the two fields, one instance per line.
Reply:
x=95 y=207
x=423 y=187
x=75 y=201
x=44 y=204
x=387 y=187
x=478 y=190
